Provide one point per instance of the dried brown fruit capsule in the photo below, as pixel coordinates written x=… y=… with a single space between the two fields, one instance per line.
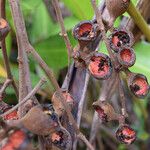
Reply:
x=100 y=66
x=114 y=8
x=126 y=57
x=120 y=38
x=126 y=134
x=138 y=84
x=85 y=32
x=17 y=139
x=39 y=122
x=4 y=28
x=105 y=111
x=59 y=109
x=61 y=139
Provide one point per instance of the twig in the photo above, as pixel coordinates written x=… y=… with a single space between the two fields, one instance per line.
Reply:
x=64 y=35
x=83 y=138
x=24 y=73
x=29 y=96
x=20 y=27
x=4 y=86
x=63 y=30
x=139 y=20
x=102 y=28
x=4 y=51
x=122 y=97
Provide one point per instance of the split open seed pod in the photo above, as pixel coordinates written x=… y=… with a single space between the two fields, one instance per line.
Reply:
x=114 y=8
x=85 y=32
x=100 y=66
x=105 y=111
x=58 y=106
x=4 y=28
x=120 y=38
x=61 y=139
x=126 y=134
x=126 y=57
x=138 y=84
x=16 y=139
x=39 y=122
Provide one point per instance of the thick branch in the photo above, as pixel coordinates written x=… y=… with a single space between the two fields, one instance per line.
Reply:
x=24 y=74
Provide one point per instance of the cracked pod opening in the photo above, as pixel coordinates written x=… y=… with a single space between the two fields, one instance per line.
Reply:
x=126 y=134
x=120 y=38
x=139 y=86
x=85 y=31
x=126 y=57
x=100 y=66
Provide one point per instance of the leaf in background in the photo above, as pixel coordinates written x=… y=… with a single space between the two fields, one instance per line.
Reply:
x=69 y=23
x=53 y=51
x=41 y=26
x=82 y=9
x=142 y=65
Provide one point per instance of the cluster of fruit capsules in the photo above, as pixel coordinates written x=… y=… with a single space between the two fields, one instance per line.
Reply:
x=100 y=67
x=121 y=42
x=98 y=64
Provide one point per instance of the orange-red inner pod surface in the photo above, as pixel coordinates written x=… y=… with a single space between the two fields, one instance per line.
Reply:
x=99 y=66
x=12 y=116
x=67 y=97
x=140 y=86
x=129 y=134
x=57 y=137
x=126 y=55
x=126 y=134
x=15 y=140
x=120 y=38
x=85 y=29
x=101 y=113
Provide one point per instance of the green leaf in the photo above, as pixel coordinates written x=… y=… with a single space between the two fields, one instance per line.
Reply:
x=143 y=135
x=53 y=51
x=41 y=26
x=142 y=65
x=81 y=9
x=69 y=23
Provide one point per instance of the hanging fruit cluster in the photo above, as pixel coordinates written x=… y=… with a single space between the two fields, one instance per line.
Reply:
x=101 y=66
